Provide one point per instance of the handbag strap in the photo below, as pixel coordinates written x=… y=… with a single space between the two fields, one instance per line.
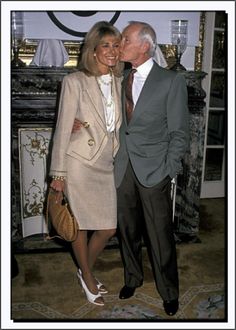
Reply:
x=51 y=191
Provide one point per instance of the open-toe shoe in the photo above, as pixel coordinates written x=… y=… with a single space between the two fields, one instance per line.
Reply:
x=90 y=296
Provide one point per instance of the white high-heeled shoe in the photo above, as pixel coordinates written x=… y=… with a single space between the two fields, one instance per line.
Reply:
x=90 y=296
x=101 y=287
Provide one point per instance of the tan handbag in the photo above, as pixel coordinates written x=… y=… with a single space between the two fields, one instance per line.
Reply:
x=59 y=218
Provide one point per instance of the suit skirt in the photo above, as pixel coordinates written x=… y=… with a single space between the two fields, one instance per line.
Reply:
x=91 y=191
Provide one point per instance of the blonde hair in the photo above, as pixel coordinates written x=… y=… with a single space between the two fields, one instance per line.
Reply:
x=88 y=62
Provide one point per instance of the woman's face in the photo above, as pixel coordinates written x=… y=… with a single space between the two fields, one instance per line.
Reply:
x=107 y=53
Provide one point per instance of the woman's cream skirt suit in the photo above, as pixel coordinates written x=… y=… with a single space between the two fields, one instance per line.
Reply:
x=86 y=157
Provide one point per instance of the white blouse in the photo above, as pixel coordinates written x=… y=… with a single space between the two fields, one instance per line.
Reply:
x=106 y=88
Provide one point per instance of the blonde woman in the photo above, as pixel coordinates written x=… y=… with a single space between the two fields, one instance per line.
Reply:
x=82 y=161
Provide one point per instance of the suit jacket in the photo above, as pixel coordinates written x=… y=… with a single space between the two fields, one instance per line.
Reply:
x=81 y=98
x=156 y=138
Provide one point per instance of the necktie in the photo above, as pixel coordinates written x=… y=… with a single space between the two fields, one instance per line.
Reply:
x=128 y=95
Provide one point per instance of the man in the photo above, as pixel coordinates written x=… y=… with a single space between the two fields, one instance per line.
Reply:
x=153 y=141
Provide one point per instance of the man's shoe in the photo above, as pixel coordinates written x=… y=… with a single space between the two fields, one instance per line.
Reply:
x=171 y=307
x=126 y=292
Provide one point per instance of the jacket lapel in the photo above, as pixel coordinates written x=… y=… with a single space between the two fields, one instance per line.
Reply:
x=150 y=87
x=118 y=113
x=92 y=89
x=117 y=100
x=94 y=94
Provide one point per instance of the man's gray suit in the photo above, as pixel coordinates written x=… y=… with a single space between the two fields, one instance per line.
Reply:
x=152 y=147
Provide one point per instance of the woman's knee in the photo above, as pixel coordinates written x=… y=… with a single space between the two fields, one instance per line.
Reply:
x=107 y=234
x=112 y=232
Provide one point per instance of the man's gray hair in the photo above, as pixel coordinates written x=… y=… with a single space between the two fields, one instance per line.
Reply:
x=146 y=33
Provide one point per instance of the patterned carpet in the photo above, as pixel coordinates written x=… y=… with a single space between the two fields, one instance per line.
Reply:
x=46 y=288
x=204 y=302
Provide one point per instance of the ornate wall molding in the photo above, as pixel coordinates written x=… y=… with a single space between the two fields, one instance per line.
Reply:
x=31 y=81
x=200 y=49
x=28 y=49
x=33 y=156
x=29 y=46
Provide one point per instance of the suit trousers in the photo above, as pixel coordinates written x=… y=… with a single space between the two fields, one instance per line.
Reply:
x=147 y=208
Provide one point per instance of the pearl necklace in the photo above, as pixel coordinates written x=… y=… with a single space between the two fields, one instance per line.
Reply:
x=101 y=82
x=104 y=82
x=109 y=106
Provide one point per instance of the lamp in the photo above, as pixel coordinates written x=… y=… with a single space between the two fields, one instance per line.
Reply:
x=17 y=33
x=179 y=35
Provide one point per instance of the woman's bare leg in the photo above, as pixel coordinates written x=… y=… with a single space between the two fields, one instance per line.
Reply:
x=80 y=250
x=97 y=244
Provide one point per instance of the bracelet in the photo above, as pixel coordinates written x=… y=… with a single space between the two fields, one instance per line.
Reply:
x=55 y=177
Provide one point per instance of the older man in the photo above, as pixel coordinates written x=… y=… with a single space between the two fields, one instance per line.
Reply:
x=153 y=140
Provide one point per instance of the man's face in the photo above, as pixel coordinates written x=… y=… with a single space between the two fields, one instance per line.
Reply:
x=131 y=47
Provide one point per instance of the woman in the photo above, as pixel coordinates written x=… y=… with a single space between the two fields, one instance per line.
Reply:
x=82 y=161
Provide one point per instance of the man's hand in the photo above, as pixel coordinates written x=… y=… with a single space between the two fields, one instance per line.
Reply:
x=77 y=125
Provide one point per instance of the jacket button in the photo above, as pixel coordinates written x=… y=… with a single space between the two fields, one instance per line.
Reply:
x=86 y=124
x=91 y=142
x=127 y=133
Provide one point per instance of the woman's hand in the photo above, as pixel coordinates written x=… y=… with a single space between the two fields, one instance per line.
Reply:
x=58 y=186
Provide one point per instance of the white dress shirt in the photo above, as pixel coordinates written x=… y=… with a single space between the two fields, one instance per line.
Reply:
x=140 y=77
